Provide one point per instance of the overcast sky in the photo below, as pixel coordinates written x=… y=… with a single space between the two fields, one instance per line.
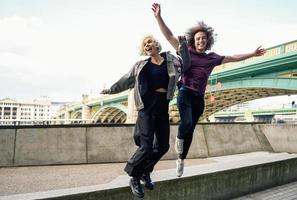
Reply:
x=65 y=48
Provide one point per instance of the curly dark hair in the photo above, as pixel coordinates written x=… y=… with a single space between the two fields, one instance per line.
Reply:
x=201 y=27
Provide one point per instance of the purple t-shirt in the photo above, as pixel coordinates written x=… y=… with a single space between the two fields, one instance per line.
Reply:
x=202 y=65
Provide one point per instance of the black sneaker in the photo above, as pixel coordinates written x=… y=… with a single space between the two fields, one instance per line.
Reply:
x=146 y=179
x=136 y=187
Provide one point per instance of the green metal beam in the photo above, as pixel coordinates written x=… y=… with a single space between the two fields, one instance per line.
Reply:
x=275 y=83
x=285 y=62
x=281 y=50
x=284 y=111
x=106 y=100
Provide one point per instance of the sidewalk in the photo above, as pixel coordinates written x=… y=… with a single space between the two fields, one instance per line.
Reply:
x=18 y=180
x=283 y=192
x=60 y=180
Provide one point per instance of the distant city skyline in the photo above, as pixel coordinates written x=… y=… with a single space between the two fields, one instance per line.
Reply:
x=63 y=49
x=257 y=104
x=13 y=112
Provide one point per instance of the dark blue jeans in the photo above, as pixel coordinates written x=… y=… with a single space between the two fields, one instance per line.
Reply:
x=190 y=105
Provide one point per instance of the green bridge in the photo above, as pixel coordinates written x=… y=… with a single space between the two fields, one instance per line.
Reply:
x=266 y=115
x=273 y=74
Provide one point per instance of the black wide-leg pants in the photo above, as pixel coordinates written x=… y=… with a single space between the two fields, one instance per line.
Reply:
x=151 y=134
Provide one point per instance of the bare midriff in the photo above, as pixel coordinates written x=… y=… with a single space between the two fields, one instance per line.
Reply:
x=162 y=90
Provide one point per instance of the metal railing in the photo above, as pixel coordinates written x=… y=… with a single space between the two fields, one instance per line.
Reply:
x=10 y=122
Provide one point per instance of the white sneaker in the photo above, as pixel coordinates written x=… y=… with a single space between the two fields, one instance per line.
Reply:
x=179 y=146
x=179 y=167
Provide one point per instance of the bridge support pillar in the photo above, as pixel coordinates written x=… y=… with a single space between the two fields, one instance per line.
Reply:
x=132 y=112
x=86 y=110
x=66 y=116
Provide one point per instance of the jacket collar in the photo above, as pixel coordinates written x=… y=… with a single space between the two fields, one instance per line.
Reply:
x=169 y=57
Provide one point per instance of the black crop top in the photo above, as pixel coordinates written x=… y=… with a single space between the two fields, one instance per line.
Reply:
x=157 y=75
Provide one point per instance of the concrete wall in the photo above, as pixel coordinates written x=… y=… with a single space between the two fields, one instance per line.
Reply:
x=7 y=139
x=110 y=144
x=198 y=147
x=44 y=146
x=99 y=144
x=282 y=138
x=228 y=139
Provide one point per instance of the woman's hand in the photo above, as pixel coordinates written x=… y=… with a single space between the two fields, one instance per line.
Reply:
x=156 y=8
x=259 y=51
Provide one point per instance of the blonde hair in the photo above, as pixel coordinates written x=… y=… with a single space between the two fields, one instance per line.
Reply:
x=141 y=49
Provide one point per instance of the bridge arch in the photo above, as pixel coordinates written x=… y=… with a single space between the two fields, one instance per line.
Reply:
x=240 y=91
x=111 y=113
x=77 y=115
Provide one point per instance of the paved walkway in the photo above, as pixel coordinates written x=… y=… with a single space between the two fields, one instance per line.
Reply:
x=283 y=192
x=18 y=180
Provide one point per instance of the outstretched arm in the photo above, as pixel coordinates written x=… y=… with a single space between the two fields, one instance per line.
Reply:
x=126 y=82
x=235 y=58
x=164 y=28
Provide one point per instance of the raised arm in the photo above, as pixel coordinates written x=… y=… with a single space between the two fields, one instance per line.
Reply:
x=164 y=28
x=235 y=58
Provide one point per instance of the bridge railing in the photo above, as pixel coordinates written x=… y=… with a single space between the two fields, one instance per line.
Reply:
x=45 y=122
x=273 y=52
